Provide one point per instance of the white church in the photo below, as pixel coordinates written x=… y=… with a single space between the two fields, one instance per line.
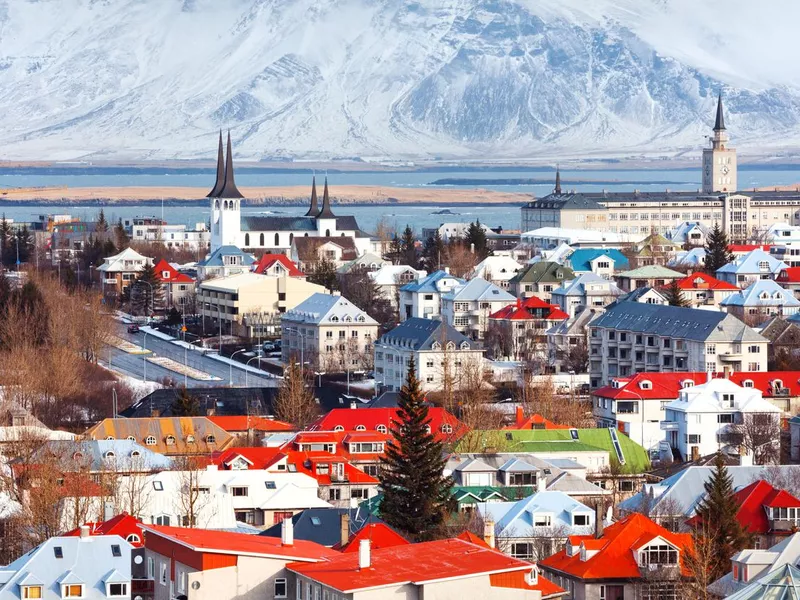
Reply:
x=269 y=234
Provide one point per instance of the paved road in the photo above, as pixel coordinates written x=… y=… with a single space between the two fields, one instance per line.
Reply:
x=134 y=364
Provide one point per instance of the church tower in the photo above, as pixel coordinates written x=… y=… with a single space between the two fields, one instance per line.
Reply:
x=719 y=161
x=226 y=216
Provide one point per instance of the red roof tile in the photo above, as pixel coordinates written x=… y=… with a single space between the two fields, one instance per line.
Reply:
x=614 y=558
x=371 y=418
x=122 y=525
x=267 y=260
x=258 y=456
x=245 y=423
x=411 y=563
x=380 y=535
x=226 y=542
x=789 y=275
x=172 y=275
x=704 y=281
x=521 y=311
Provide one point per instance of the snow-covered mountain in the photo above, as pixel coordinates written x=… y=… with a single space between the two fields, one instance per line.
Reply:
x=103 y=79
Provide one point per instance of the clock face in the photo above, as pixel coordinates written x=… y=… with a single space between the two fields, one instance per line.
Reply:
x=725 y=170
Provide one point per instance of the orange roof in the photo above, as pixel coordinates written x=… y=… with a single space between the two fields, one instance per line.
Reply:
x=166 y=273
x=533 y=422
x=380 y=535
x=517 y=580
x=409 y=563
x=246 y=423
x=470 y=537
x=226 y=542
x=122 y=525
x=258 y=457
x=614 y=558
x=268 y=260
x=704 y=281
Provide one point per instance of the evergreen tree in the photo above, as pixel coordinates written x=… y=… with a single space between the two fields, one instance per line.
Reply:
x=147 y=294
x=416 y=495
x=674 y=296
x=358 y=287
x=476 y=240
x=31 y=303
x=433 y=252
x=324 y=274
x=23 y=250
x=6 y=238
x=101 y=224
x=716 y=519
x=717 y=253
x=121 y=239
x=174 y=318
x=408 y=249
x=185 y=404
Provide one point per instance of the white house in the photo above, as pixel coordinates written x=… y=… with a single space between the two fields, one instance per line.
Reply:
x=720 y=415
x=497 y=270
x=760 y=301
x=390 y=278
x=751 y=267
x=423 y=298
x=467 y=307
x=119 y=271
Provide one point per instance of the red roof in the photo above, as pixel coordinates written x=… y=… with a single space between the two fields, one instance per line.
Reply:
x=268 y=260
x=614 y=558
x=226 y=542
x=168 y=274
x=789 y=275
x=338 y=438
x=704 y=281
x=518 y=580
x=307 y=462
x=349 y=420
x=470 y=537
x=745 y=248
x=533 y=422
x=380 y=535
x=258 y=457
x=122 y=525
x=522 y=311
x=753 y=501
x=410 y=563
x=246 y=423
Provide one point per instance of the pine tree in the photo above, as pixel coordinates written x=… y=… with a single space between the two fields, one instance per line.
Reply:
x=716 y=519
x=433 y=252
x=717 y=253
x=416 y=495
x=147 y=293
x=121 y=239
x=101 y=224
x=23 y=249
x=6 y=237
x=674 y=296
x=408 y=248
x=476 y=240
x=185 y=404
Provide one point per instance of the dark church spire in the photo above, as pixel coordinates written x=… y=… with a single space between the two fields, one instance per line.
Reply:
x=313 y=211
x=326 y=212
x=558 y=181
x=229 y=189
x=214 y=193
x=719 y=124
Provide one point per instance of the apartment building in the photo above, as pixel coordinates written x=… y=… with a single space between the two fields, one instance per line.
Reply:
x=700 y=289
x=468 y=307
x=635 y=337
x=151 y=229
x=423 y=298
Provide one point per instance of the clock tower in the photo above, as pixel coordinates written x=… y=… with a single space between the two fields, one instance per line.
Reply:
x=719 y=161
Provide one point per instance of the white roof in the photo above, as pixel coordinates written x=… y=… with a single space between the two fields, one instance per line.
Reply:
x=117 y=263
x=577 y=236
x=497 y=268
x=324 y=309
x=707 y=398
x=388 y=274
x=233 y=283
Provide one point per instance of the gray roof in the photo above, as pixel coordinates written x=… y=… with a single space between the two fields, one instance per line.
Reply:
x=478 y=289
x=544 y=271
x=98 y=455
x=577 y=287
x=677 y=322
x=324 y=309
x=270 y=223
x=568 y=201
x=323 y=525
x=611 y=198
x=421 y=334
x=215 y=258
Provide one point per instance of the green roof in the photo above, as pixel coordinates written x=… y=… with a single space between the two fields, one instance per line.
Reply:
x=544 y=272
x=467 y=494
x=652 y=272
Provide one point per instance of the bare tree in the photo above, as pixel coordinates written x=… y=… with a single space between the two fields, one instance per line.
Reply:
x=699 y=560
x=295 y=402
x=758 y=434
x=782 y=477
x=194 y=502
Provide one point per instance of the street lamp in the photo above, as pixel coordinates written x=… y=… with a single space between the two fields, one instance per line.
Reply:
x=247 y=364
x=231 y=364
x=144 y=357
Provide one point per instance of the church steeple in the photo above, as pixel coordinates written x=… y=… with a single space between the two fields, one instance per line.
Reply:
x=558 y=181
x=313 y=210
x=719 y=160
x=326 y=212
x=214 y=193
x=229 y=189
x=719 y=124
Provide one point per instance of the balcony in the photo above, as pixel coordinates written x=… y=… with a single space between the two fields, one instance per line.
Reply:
x=782 y=525
x=730 y=357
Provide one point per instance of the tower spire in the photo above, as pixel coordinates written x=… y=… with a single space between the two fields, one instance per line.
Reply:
x=719 y=124
x=313 y=210
x=229 y=189
x=214 y=193
x=326 y=212
x=558 y=181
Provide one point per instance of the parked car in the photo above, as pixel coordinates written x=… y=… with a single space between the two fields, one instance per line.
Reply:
x=133 y=328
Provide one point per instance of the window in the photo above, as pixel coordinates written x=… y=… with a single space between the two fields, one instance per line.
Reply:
x=580 y=520
x=72 y=591
x=659 y=554
x=211 y=439
x=150 y=440
x=625 y=485
x=360 y=428
x=117 y=590
x=158 y=486
x=32 y=591
x=725 y=418
x=727 y=400
x=754 y=349
x=381 y=429
x=133 y=538
x=542 y=521
x=522 y=550
x=446 y=428
x=711 y=349
x=239 y=491
x=163 y=576
x=170 y=440
x=521 y=479
x=116 y=551
x=190 y=439
x=281 y=589
x=693 y=438
x=182 y=581
x=58 y=551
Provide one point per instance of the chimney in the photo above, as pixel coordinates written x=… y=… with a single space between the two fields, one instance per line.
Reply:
x=84 y=531
x=541 y=483
x=488 y=533
x=344 y=529
x=210 y=412
x=108 y=511
x=709 y=376
x=353 y=405
x=154 y=412
x=363 y=554
x=520 y=416
x=598 y=521
x=287 y=532
x=447 y=270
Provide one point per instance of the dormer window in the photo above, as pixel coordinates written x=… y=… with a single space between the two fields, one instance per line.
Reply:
x=109 y=455
x=210 y=439
x=170 y=440
x=748 y=383
x=190 y=439
x=130 y=438
x=446 y=428
x=338 y=428
x=117 y=590
x=381 y=429
x=727 y=400
x=334 y=319
x=72 y=590
x=777 y=384
x=150 y=440
x=360 y=428
x=646 y=385
x=659 y=554
x=32 y=592
x=687 y=383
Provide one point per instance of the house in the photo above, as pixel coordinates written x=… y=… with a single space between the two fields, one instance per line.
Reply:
x=790 y=279
x=422 y=298
x=91 y=567
x=467 y=307
x=249 y=304
x=102 y=456
x=600 y=261
x=784 y=342
x=694 y=259
x=783 y=582
x=390 y=278
x=645 y=295
x=654 y=276
x=249 y=428
x=700 y=289
x=497 y=270
x=330 y=527
x=440 y=354
x=789 y=254
x=690 y=233
x=753 y=266
x=783 y=234
x=453 y=231
x=368 y=262
x=178 y=287
x=329 y=332
x=633 y=337
x=449 y=568
x=536 y=527
x=655 y=249
x=761 y=300
x=539 y=279
x=277 y=265
x=361 y=448
x=307 y=252
x=220 y=565
x=765 y=512
x=519 y=331
x=633 y=558
x=587 y=291
x=118 y=272
x=380 y=535
x=740 y=250
x=567 y=343
x=171 y=436
x=721 y=416
x=125 y=526
x=225 y=261
x=152 y=229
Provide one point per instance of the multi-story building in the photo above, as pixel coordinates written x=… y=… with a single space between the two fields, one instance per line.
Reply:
x=307 y=252
x=441 y=354
x=700 y=289
x=521 y=329
x=329 y=332
x=497 y=269
x=715 y=416
x=118 y=272
x=468 y=307
x=539 y=279
x=633 y=337
x=587 y=291
x=246 y=301
x=566 y=210
x=225 y=261
x=178 y=287
x=653 y=276
x=690 y=233
x=390 y=278
x=760 y=301
x=423 y=298
x=154 y=230
x=753 y=266
x=600 y=261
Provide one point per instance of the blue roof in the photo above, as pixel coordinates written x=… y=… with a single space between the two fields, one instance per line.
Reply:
x=582 y=257
x=516 y=519
x=749 y=263
x=123 y=455
x=763 y=292
x=428 y=284
x=479 y=289
x=215 y=258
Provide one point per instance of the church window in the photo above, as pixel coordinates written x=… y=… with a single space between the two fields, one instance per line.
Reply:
x=261 y=240
x=277 y=240
x=216 y=204
x=306 y=235
x=247 y=240
x=327 y=233
x=291 y=238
